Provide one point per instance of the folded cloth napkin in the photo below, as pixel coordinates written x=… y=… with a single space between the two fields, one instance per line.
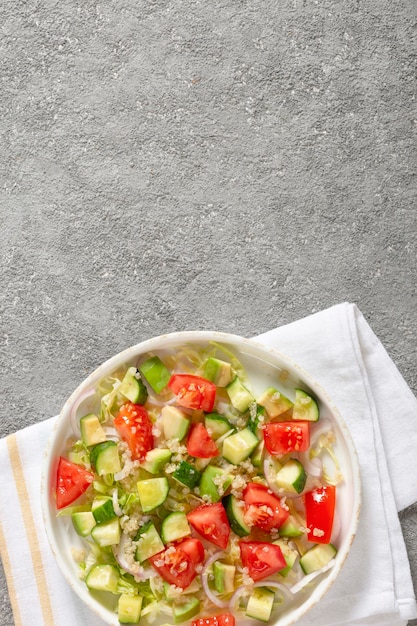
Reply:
x=340 y=350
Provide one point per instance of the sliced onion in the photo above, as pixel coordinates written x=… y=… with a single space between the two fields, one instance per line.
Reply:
x=222 y=604
x=318 y=429
x=275 y=585
x=307 y=579
x=116 y=505
x=235 y=597
x=111 y=433
x=314 y=466
x=220 y=440
x=74 y=421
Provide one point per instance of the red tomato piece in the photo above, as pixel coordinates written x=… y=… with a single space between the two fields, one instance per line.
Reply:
x=320 y=505
x=72 y=481
x=263 y=508
x=261 y=558
x=284 y=437
x=135 y=428
x=177 y=564
x=225 y=619
x=193 y=392
x=210 y=520
x=200 y=444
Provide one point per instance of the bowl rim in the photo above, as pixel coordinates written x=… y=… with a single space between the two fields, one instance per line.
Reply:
x=179 y=338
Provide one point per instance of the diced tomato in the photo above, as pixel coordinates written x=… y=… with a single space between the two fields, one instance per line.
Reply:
x=320 y=505
x=225 y=619
x=200 y=444
x=193 y=392
x=263 y=508
x=210 y=520
x=261 y=558
x=177 y=564
x=72 y=481
x=284 y=437
x=135 y=428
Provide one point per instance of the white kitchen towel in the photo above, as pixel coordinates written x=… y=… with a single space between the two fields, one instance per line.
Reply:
x=340 y=350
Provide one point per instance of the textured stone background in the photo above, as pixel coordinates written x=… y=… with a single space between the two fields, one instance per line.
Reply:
x=184 y=165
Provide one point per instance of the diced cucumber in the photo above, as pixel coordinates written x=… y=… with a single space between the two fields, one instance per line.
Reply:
x=255 y=419
x=217 y=425
x=156 y=459
x=105 y=458
x=132 y=387
x=102 y=509
x=260 y=604
x=214 y=482
x=92 y=431
x=291 y=528
x=239 y=446
x=224 y=577
x=239 y=395
x=317 y=557
x=289 y=555
x=129 y=609
x=219 y=372
x=149 y=542
x=187 y=474
x=235 y=515
x=274 y=402
x=183 y=612
x=305 y=407
x=103 y=578
x=175 y=424
x=107 y=533
x=257 y=455
x=291 y=477
x=175 y=526
x=83 y=522
x=156 y=373
x=152 y=492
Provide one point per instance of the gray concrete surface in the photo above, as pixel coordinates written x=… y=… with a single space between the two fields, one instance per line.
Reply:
x=184 y=165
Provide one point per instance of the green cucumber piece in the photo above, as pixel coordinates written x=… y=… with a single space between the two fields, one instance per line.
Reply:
x=291 y=477
x=218 y=371
x=102 y=509
x=156 y=373
x=214 y=483
x=305 y=407
x=289 y=555
x=224 y=577
x=107 y=533
x=187 y=474
x=184 y=612
x=133 y=388
x=274 y=402
x=129 y=609
x=290 y=528
x=257 y=455
x=175 y=526
x=92 y=431
x=260 y=604
x=155 y=460
x=105 y=458
x=317 y=557
x=235 y=515
x=175 y=424
x=148 y=541
x=217 y=425
x=83 y=522
x=103 y=578
x=239 y=395
x=152 y=492
x=239 y=446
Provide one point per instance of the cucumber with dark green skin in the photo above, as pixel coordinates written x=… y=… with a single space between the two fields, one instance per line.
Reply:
x=133 y=387
x=156 y=373
x=104 y=457
x=187 y=474
x=217 y=425
x=235 y=516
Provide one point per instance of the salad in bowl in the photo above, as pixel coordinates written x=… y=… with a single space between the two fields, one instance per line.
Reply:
x=200 y=478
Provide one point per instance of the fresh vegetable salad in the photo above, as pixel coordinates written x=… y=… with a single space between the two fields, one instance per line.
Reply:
x=199 y=499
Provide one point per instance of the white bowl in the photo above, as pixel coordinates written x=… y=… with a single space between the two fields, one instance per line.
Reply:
x=263 y=365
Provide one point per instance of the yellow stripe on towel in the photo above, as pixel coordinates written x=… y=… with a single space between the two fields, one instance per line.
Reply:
x=29 y=523
x=10 y=585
